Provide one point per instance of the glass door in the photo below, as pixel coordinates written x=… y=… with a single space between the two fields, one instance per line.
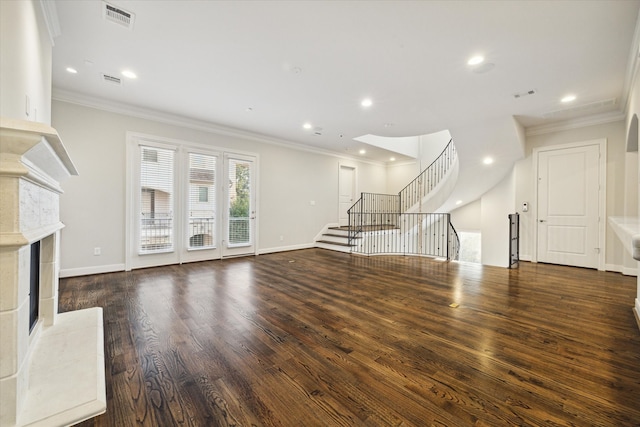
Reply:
x=240 y=209
x=202 y=235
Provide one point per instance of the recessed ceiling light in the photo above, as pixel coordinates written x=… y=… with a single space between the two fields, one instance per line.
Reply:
x=478 y=59
x=72 y=70
x=487 y=160
x=367 y=102
x=363 y=151
x=458 y=202
x=568 y=98
x=129 y=74
x=392 y=159
x=307 y=126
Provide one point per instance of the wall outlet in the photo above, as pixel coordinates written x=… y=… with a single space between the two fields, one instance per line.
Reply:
x=281 y=238
x=97 y=251
x=312 y=202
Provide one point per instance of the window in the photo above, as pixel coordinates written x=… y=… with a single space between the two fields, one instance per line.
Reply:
x=202 y=203
x=156 y=200
x=239 y=202
x=149 y=155
x=203 y=196
x=187 y=202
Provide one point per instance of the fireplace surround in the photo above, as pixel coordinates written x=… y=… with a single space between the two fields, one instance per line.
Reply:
x=51 y=364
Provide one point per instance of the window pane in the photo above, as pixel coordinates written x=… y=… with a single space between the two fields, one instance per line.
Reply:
x=156 y=200
x=239 y=202
x=202 y=203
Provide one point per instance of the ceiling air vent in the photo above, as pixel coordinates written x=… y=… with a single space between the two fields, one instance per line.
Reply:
x=108 y=78
x=117 y=15
x=523 y=94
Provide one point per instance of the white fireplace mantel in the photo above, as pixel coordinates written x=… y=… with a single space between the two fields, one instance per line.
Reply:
x=53 y=375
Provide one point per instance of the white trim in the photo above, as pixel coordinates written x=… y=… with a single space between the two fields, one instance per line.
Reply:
x=596 y=119
x=185 y=122
x=233 y=251
x=96 y=269
x=285 y=248
x=602 y=200
x=50 y=14
x=636 y=312
x=617 y=268
x=523 y=257
x=182 y=148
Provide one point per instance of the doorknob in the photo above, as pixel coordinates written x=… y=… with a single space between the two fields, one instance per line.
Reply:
x=543 y=220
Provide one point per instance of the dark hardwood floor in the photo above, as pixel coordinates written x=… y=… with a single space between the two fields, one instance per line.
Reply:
x=321 y=338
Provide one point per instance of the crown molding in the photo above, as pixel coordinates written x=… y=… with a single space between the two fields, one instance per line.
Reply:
x=596 y=119
x=50 y=14
x=181 y=121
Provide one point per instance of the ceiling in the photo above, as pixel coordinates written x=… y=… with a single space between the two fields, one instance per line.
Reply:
x=268 y=67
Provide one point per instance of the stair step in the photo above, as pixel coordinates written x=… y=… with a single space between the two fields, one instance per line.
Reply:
x=328 y=242
x=340 y=235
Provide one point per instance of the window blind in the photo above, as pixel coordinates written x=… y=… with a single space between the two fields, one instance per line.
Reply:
x=156 y=200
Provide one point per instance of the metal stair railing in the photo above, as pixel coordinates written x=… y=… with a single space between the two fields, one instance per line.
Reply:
x=414 y=192
x=383 y=216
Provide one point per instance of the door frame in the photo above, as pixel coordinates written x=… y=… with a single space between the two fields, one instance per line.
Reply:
x=227 y=251
x=133 y=140
x=355 y=183
x=602 y=193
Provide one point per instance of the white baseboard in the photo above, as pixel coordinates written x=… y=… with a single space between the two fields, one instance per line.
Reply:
x=636 y=311
x=285 y=248
x=613 y=267
x=627 y=271
x=85 y=271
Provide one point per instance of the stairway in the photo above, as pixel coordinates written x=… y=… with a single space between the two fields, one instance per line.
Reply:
x=335 y=239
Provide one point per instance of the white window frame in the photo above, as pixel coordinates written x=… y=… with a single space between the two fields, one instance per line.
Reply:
x=181 y=252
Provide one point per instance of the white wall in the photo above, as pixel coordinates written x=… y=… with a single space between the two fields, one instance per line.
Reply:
x=496 y=205
x=399 y=175
x=25 y=63
x=633 y=109
x=468 y=217
x=430 y=147
x=93 y=206
x=615 y=134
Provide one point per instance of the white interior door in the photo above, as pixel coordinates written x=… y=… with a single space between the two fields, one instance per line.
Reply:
x=347 y=192
x=240 y=205
x=568 y=206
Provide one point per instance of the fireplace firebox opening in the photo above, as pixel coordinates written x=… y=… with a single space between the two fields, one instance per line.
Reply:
x=34 y=285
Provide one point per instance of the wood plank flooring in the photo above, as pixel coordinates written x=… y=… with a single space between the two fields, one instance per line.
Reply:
x=322 y=338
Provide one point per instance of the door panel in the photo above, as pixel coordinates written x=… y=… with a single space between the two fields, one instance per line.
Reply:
x=202 y=235
x=568 y=204
x=240 y=201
